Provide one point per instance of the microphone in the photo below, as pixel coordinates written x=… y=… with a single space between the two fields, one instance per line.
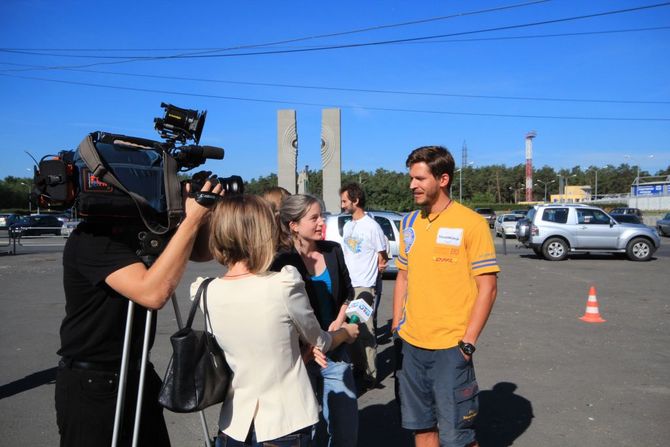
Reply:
x=210 y=152
x=358 y=311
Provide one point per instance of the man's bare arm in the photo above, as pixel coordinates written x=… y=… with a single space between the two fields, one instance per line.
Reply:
x=399 y=295
x=487 y=289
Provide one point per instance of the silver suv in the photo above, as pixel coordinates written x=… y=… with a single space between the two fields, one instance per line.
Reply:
x=556 y=230
x=388 y=220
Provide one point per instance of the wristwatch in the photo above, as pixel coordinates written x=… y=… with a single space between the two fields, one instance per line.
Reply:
x=467 y=348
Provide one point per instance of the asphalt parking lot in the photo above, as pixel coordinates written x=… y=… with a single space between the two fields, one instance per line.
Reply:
x=546 y=378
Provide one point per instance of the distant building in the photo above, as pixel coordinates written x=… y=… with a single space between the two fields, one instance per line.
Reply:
x=573 y=194
x=651 y=186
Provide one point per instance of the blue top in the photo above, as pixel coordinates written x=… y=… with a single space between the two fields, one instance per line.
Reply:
x=323 y=289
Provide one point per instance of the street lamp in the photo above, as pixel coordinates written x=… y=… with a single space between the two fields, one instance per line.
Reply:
x=565 y=185
x=515 y=190
x=545 y=187
x=596 y=192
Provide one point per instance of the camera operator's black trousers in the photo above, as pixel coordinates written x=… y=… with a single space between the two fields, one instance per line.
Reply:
x=86 y=404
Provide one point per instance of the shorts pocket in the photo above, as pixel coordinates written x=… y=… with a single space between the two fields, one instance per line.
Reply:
x=467 y=405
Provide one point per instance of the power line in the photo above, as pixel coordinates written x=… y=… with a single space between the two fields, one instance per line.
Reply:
x=366 y=44
x=543 y=36
x=36 y=52
x=381 y=109
x=360 y=90
x=317 y=36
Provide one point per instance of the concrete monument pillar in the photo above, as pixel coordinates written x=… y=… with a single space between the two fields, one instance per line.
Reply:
x=331 y=159
x=287 y=150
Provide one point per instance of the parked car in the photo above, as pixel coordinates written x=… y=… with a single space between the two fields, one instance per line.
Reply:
x=7 y=219
x=488 y=214
x=627 y=218
x=519 y=212
x=68 y=227
x=506 y=225
x=388 y=220
x=36 y=225
x=63 y=217
x=557 y=230
x=663 y=225
x=634 y=211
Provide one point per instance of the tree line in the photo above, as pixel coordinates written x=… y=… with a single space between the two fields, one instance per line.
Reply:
x=388 y=190
x=486 y=185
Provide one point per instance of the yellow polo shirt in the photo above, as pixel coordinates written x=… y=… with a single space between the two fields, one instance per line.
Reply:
x=442 y=259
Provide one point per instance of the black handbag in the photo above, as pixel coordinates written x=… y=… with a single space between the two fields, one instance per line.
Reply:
x=198 y=375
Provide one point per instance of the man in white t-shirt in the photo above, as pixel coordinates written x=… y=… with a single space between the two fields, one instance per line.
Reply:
x=365 y=254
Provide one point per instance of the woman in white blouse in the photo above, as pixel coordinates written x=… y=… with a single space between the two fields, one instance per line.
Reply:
x=258 y=318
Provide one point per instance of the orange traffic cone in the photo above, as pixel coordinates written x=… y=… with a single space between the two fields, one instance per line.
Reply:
x=592 y=314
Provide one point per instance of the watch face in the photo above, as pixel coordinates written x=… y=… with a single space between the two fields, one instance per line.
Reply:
x=467 y=348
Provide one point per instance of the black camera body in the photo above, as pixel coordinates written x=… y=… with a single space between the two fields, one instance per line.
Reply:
x=113 y=176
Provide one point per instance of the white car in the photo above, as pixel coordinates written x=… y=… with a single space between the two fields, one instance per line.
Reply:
x=68 y=227
x=388 y=220
x=505 y=224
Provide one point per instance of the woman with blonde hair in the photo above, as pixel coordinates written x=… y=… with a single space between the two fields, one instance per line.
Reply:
x=275 y=196
x=321 y=264
x=258 y=318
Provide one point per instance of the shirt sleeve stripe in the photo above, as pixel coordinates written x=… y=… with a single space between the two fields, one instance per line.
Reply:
x=401 y=260
x=413 y=218
x=481 y=266
x=483 y=261
x=404 y=221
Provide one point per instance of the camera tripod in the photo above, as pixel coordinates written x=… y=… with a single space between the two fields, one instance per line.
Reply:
x=151 y=246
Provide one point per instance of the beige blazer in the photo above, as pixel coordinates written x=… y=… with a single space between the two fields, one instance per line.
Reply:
x=257 y=321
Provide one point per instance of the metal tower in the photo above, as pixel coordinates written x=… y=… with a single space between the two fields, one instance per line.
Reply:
x=529 y=165
x=464 y=155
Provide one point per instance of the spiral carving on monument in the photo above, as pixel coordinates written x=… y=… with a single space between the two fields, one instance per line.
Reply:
x=289 y=146
x=327 y=149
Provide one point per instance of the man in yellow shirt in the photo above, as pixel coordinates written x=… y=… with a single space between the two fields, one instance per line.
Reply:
x=444 y=292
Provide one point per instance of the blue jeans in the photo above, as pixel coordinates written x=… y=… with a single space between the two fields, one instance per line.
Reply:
x=335 y=389
x=300 y=438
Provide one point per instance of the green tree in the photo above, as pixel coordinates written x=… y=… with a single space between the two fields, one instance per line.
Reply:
x=14 y=192
x=258 y=186
x=665 y=171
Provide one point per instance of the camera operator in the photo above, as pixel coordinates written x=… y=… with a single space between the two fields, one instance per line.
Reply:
x=101 y=271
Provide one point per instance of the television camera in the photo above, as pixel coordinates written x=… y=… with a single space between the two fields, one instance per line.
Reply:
x=124 y=177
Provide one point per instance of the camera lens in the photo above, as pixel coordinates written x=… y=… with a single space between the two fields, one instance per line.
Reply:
x=232 y=185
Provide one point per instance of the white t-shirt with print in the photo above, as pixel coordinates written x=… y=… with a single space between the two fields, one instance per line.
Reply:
x=363 y=239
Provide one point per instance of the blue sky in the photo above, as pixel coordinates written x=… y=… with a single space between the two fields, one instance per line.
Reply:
x=42 y=116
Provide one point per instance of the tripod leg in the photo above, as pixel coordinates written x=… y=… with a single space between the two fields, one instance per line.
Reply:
x=143 y=372
x=180 y=325
x=208 y=443
x=123 y=374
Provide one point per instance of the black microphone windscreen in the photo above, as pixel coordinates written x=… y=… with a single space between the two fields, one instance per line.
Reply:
x=212 y=152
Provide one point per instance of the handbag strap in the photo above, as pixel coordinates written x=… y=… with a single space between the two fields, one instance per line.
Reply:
x=208 y=323
x=202 y=290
